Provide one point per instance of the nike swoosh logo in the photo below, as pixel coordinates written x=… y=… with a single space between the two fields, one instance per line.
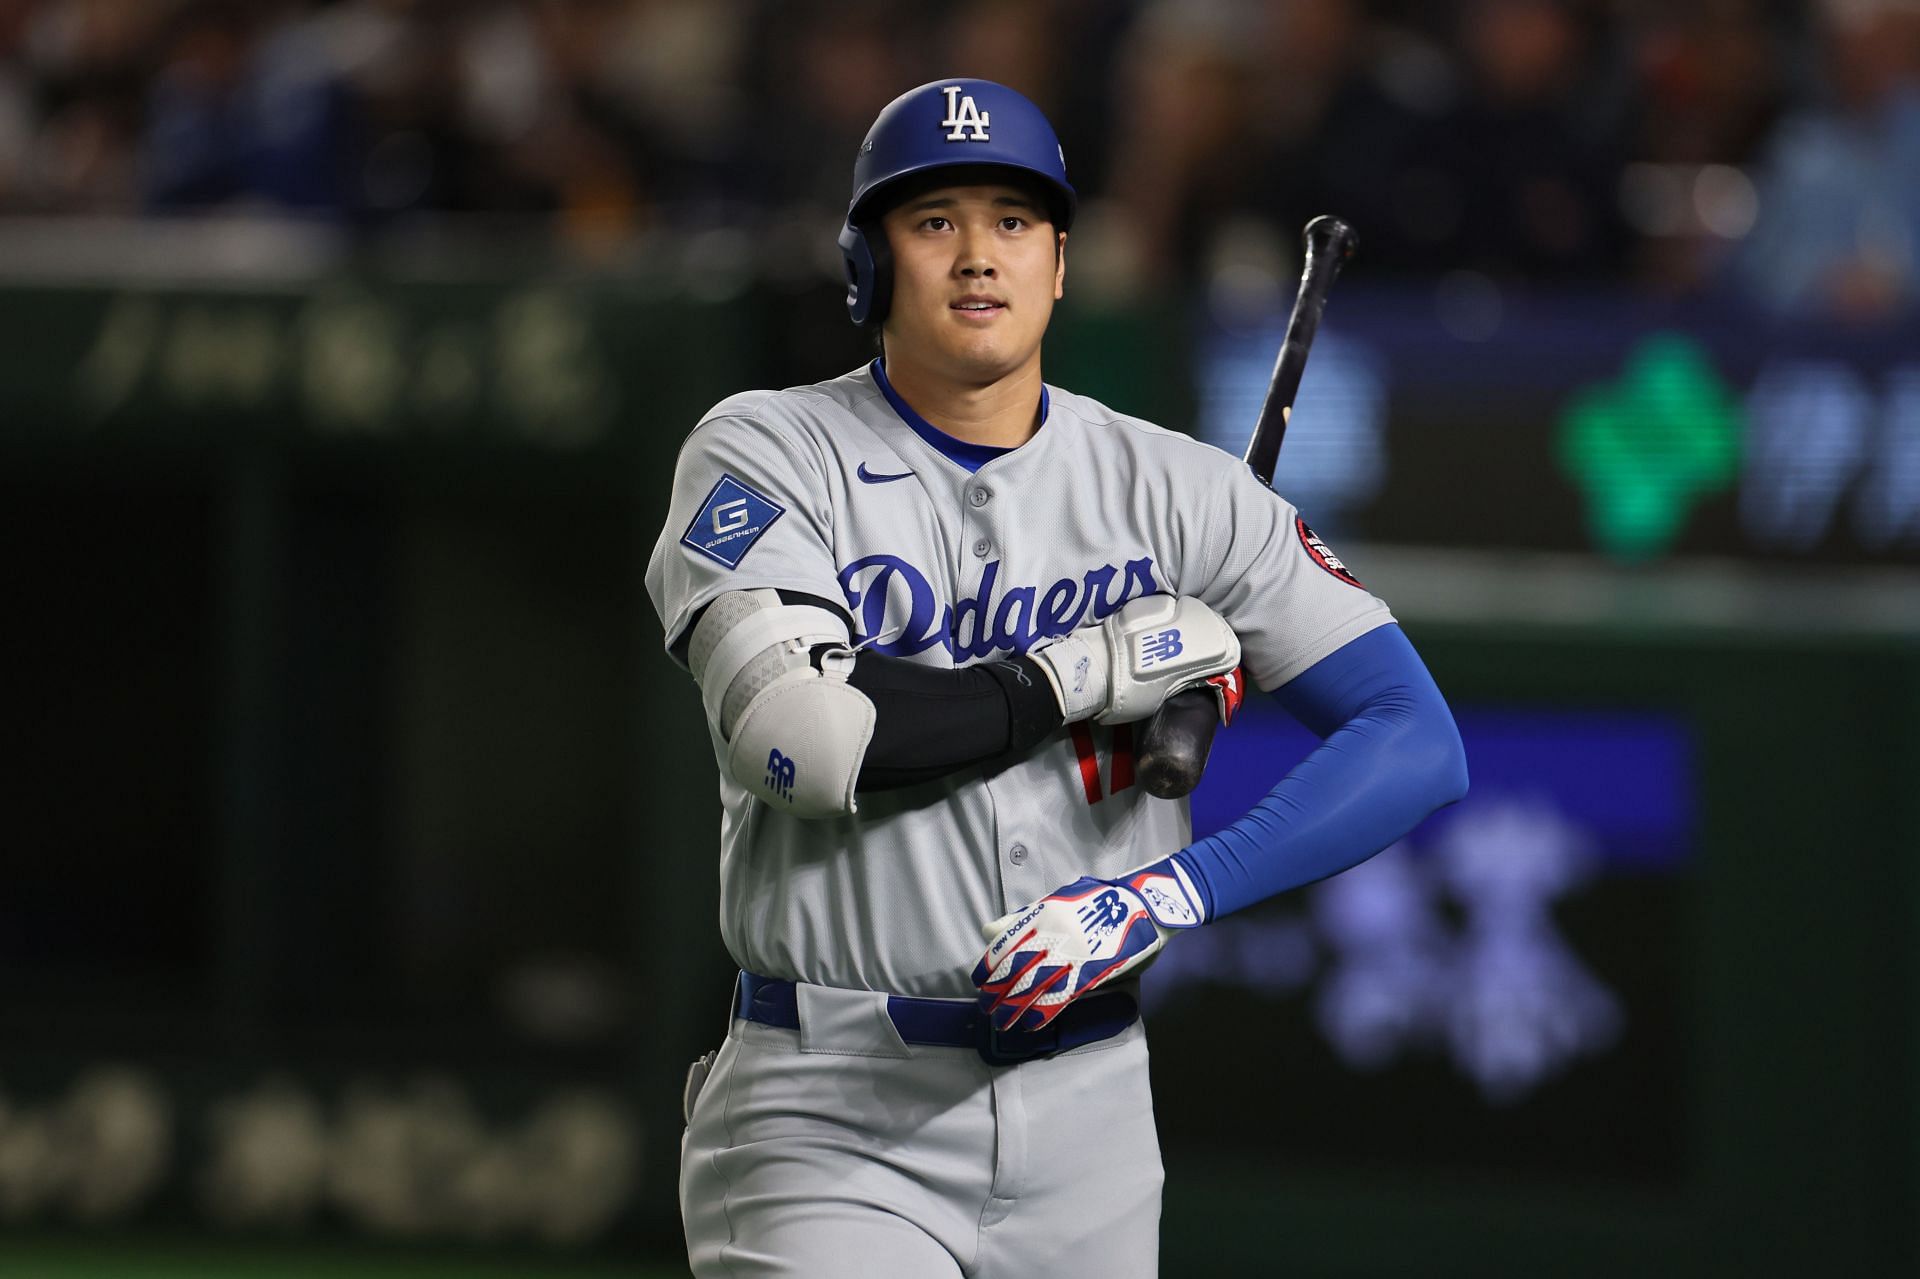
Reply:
x=870 y=478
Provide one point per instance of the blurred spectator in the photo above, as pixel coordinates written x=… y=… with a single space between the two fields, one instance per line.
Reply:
x=1838 y=230
x=579 y=157
x=1490 y=145
x=16 y=103
x=823 y=71
x=1182 y=104
x=1014 y=42
x=1520 y=178
x=1708 y=79
x=246 y=106
x=85 y=65
x=1348 y=111
x=1709 y=82
x=1545 y=139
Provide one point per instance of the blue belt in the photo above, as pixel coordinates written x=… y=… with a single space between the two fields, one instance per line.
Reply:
x=953 y=1023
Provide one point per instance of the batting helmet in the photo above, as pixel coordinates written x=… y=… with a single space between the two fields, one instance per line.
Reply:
x=941 y=125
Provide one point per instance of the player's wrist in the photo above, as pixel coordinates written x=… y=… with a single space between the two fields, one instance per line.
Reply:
x=1171 y=893
x=1077 y=668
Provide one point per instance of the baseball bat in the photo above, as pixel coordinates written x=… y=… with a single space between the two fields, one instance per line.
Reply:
x=1175 y=744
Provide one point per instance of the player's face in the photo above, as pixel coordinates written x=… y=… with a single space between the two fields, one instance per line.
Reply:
x=975 y=277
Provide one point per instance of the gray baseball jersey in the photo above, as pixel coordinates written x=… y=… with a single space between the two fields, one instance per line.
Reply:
x=948 y=554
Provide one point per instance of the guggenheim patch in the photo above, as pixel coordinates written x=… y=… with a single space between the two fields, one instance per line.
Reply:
x=730 y=521
x=1322 y=554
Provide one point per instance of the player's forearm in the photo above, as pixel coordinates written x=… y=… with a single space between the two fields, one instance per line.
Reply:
x=1391 y=755
x=899 y=723
x=930 y=722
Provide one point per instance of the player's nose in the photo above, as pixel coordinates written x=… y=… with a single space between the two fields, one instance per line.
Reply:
x=972 y=258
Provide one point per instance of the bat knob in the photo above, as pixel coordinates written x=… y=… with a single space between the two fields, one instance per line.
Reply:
x=1334 y=233
x=1174 y=745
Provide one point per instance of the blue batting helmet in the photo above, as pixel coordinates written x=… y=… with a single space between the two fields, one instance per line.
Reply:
x=941 y=125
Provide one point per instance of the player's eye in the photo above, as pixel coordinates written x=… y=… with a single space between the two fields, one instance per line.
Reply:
x=936 y=223
x=1012 y=223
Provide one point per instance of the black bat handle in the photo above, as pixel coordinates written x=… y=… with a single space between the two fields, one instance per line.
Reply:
x=1176 y=743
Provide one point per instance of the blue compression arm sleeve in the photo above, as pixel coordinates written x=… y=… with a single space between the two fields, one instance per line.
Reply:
x=1390 y=755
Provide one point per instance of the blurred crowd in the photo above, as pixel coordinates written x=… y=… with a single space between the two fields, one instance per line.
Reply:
x=1766 y=146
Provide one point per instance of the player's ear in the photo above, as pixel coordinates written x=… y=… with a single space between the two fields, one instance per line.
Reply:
x=1059 y=265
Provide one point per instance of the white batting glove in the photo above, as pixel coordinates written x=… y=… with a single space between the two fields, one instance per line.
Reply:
x=1121 y=669
x=1075 y=939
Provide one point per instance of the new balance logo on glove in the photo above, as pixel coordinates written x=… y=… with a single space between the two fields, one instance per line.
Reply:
x=1161 y=646
x=1104 y=913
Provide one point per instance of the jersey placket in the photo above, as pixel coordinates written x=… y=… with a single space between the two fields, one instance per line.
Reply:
x=976 y=557
x=981 y=563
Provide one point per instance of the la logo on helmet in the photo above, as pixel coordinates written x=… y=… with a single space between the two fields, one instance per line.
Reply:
x=965 y=121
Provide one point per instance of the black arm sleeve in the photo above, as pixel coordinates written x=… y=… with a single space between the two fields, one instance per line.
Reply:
x=930 y=722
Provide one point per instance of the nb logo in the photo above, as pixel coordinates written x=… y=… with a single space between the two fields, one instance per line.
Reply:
x=1161 y=647
x=1104 y=913
x=965 y=121
x=780 y=775
x=729 y=516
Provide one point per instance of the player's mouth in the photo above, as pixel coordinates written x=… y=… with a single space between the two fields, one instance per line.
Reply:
x=978 y=308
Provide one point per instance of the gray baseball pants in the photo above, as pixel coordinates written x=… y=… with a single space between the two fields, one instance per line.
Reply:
x=838 y=1151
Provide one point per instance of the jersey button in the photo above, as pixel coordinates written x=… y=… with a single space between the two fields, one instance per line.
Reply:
x=981 y=548
x=980 y=497
x=1017 y=854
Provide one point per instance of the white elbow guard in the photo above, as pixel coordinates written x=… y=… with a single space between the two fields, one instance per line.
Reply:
x=796 y=733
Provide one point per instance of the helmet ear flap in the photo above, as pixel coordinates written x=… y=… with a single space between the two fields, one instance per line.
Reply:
x=869 y=273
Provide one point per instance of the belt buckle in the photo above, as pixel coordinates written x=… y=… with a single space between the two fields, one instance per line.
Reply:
x=1098 y=1017
x=995 y=1050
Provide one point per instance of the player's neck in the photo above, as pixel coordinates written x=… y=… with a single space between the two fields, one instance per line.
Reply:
x=1002 y=414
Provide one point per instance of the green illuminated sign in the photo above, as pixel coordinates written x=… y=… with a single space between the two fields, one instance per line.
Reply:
x=1646 y=448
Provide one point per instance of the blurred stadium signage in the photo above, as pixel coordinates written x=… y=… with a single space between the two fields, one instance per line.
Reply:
x=417 y=1158
x=1647 y=448
x=1482 y=960
x=352 y=362
x=1596 y=422
x=559 y=367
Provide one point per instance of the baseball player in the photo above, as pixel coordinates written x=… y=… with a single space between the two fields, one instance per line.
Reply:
x=925 y=604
